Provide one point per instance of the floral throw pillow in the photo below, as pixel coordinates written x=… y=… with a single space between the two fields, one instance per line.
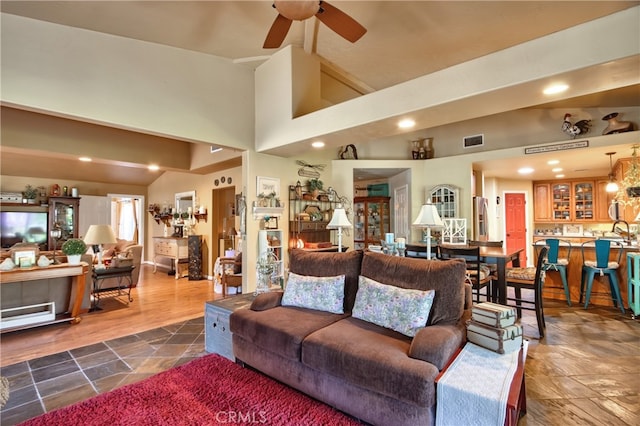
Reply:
x=319 y=293
x=403 y=310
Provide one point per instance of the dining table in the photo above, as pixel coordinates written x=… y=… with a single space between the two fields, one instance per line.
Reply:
x=499 y=256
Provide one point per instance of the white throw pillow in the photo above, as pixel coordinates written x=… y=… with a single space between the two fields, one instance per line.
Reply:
x=403 y=310
x=319 y=293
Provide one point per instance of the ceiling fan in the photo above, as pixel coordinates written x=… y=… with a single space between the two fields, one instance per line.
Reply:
x=334 y=18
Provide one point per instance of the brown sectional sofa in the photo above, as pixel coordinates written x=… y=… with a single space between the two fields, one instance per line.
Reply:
x=370 y=372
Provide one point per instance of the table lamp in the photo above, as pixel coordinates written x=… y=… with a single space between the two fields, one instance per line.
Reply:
x=428 y=218
x=98 y=235
x=338 y=221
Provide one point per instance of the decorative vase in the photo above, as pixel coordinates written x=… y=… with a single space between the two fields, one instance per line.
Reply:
x=74 y=259
x=263 y=284
x=616 y=126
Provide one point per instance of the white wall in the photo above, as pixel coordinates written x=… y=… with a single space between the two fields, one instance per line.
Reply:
x=126 y=83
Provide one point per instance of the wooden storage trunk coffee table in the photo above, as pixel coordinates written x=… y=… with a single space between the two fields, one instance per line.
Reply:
x=217 y=337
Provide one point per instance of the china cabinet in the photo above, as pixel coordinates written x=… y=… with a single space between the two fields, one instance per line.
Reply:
x=63 y=214
x=371 y=221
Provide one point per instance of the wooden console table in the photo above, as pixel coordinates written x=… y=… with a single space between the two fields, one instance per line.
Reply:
x=172 y=247
x=76 y=272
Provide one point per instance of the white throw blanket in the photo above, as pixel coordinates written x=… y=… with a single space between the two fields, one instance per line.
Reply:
x=475 y=388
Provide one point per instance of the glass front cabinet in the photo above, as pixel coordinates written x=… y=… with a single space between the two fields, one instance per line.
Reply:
x=583 y=207
x=371 y=220
x=446 y=199
x=63 y=214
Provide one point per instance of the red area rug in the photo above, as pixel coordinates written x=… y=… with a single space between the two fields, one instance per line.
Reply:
x=207 y=391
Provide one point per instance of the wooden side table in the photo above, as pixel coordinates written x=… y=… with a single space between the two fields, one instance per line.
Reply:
x=517 y=397
x=217 y=337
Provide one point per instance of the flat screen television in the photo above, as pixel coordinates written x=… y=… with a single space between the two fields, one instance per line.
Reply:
x=18 y=227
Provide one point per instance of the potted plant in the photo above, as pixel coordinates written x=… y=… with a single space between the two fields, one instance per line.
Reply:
x=30 y=194
x=74 y=248
x=315 y=186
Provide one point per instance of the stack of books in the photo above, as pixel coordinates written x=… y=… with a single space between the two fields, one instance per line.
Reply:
x=495 y=327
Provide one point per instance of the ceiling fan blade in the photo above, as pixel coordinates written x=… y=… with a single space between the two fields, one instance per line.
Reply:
x=277 y=33
x=343 y=24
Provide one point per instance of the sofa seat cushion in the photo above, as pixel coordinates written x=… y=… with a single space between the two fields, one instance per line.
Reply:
x=282 y=329
x=373 y=358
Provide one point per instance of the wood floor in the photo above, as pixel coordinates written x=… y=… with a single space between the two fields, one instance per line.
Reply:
x=586 y=371
x=158 y=300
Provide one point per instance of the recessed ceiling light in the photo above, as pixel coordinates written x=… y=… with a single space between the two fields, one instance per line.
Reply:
x=317 y=144
x=560 y=176
x=553 y=162
x=85 y=159
x=525 y=170
x=154 y=167
x=555 y=89
x=556 y=169
x=406 y=123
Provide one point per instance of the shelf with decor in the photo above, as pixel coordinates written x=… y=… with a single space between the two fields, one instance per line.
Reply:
x=309 y=217
x=372 y=220
x=270 y=241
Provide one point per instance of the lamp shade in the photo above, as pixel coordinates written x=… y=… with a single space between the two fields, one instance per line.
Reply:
x=428 y=216
x=339 y=220
x=612 y=186
x=100 y=234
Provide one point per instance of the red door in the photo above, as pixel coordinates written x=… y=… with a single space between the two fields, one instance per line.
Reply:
x=515 y=223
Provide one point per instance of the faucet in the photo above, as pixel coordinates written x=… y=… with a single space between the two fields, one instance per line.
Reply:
x=627 y=239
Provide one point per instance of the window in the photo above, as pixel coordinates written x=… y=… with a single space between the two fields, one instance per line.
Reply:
x=445 y=197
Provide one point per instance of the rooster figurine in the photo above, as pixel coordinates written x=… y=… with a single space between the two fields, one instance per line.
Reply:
x=573 y=130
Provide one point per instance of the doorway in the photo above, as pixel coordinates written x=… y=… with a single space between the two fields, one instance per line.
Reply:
x=515 y=224
x=223 y=221
x=127 y=218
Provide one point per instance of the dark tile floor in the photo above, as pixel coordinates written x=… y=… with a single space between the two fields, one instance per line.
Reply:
x=51 y=382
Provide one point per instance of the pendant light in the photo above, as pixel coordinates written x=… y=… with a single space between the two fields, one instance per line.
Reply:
x=612 y=186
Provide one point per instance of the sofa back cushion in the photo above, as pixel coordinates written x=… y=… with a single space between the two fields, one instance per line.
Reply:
x=404 y=310
x=445 y=277
x=323 y=264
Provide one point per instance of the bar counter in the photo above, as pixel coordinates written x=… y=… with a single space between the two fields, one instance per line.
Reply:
x=601 y=293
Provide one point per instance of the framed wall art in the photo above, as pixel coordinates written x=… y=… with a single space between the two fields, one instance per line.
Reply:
x=267 y=186
x=271 y=222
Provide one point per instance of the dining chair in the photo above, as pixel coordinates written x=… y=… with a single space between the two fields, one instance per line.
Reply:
x=530 y=278
x=601 y=266
x=558 y=264
x=492 y=266
x=478 y=275
x=486 y=243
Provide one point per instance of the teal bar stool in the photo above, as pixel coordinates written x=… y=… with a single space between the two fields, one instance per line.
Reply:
x=559 y=264
x=601 y=266
x=633 y=283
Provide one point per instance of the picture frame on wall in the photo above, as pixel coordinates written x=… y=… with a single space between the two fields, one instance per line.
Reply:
x=268 y=185
x=271 y=222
